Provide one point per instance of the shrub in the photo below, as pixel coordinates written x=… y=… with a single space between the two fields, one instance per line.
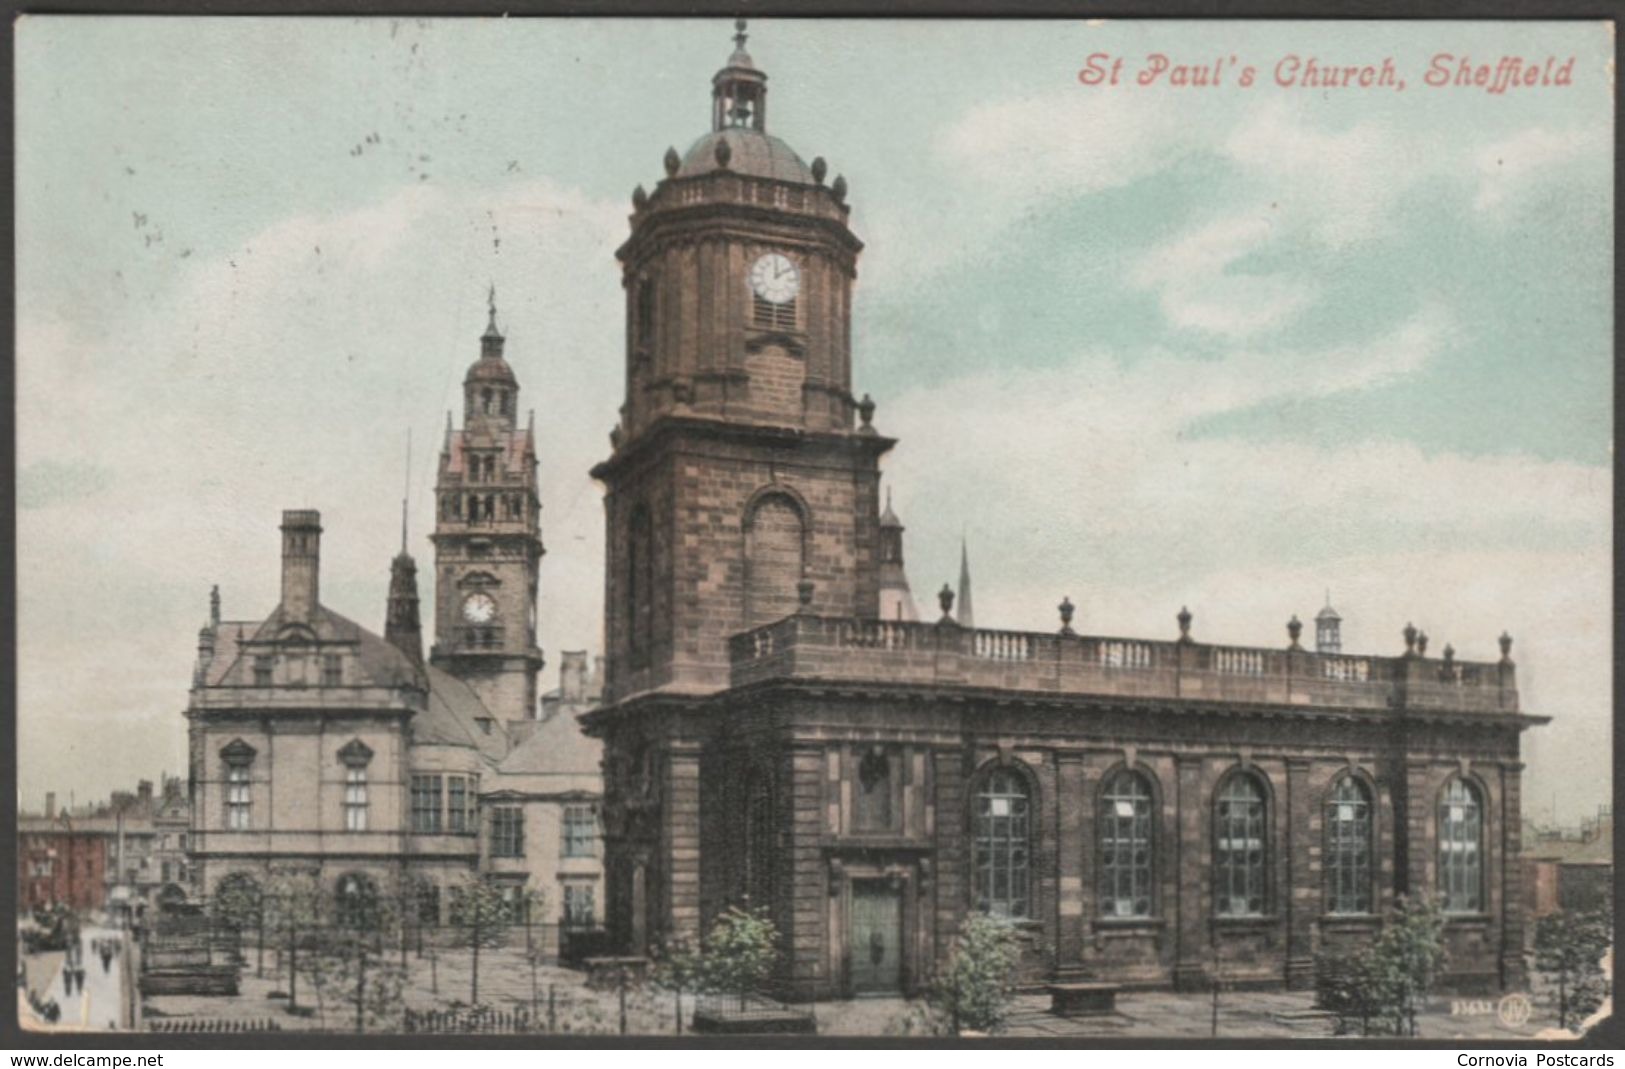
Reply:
x=975 y=990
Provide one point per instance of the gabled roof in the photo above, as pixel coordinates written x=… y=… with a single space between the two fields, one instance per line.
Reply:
x=558 y=746
x=453 y=715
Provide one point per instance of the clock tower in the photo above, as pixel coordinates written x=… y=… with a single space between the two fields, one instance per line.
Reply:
x=743 y=482
x=487 y=540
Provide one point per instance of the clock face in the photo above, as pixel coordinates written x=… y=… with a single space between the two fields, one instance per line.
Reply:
x=775 y=278
x=479 y=608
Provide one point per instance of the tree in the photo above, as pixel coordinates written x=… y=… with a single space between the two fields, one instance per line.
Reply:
x=1569 y=949
x=294 y=908
x=975 y=990
x=679 y=968
x=738 y=954
x=484 y=909
x=238 y=903
x=1384 y=984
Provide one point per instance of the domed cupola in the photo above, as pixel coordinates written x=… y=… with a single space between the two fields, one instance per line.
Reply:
x=490 y=389
x=739 y=140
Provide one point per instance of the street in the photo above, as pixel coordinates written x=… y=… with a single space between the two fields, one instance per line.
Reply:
x=101 y=1004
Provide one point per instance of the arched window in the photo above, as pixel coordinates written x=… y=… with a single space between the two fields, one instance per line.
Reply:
x=485 y=400
x=639 y=587
x=1348 y=847
x=1239 y=856
x=1125 y=846
x=1003 y=845
x=773 y=559
x=1461 y=855
x=356 y=901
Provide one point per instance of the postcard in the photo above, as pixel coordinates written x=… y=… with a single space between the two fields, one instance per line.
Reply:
x=953 y=529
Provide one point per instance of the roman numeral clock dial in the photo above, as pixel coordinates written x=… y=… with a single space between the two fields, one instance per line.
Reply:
x=775 y=278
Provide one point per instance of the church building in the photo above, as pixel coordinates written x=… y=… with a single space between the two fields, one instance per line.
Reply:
x=783 y=728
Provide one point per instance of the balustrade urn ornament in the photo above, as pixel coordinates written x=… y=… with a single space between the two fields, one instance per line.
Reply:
x=819 y=169
x=839 y=188
x=1184 y=619
x=1421 y=643
x=1506 y=646
x=640 y=198
x=1067 y=609
x=1294 y=628
x=1410 y=640
x=804 y=592
x=724 y=153
x=1449 y=653
x=866 y=413
x=673 y=162
x=945 y=598
x=615 y=436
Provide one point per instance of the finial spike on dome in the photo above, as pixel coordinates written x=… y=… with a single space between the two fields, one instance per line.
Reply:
x=739 y=34
x=491 y=331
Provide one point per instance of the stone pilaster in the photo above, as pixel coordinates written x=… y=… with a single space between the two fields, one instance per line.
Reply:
x=1070 y=922
x=1513 y=972
x=1192 y=938
x=1302 y=889
x=805 y=892
x=680 y=841
x=951 y=891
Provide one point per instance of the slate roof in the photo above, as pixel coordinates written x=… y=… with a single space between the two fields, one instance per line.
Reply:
x=558 y=746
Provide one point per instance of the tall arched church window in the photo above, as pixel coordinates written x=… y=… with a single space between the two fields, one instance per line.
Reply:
x=774 y=539
x=1239 y=855
x=1461 y=853
x=1348 y=847
x=1125 y=846
x=1003 y=848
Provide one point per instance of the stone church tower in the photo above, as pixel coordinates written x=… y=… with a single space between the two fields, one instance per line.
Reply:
x=744 y=482
x=487 y=540
x=741 y=471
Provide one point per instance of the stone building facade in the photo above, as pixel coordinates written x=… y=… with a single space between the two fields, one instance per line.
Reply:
x=1159 y=813
x=322 y=750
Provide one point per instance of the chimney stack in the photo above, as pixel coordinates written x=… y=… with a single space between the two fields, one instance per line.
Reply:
x=301 y=562
x=573 y=677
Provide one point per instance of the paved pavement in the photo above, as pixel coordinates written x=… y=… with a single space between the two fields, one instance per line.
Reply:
x=100 y=1004
x=442 y=981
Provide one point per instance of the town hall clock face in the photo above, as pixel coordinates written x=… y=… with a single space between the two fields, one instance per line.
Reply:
x=775 y=278
x=479 y=608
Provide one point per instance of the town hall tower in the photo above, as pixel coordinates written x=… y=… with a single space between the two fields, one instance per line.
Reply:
x=487 y=540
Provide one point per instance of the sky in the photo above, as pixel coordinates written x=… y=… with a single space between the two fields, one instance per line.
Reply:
x=1144 y=345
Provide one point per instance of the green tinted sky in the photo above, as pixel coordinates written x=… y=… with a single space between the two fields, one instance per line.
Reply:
x=1146 y=346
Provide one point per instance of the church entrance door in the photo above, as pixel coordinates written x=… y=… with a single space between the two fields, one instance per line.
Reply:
x=876 y=937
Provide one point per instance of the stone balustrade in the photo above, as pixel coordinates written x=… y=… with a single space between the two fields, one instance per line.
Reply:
x=840 y=649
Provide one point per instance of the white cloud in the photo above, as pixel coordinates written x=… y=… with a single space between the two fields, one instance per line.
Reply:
x=281 y=376
x=1195 y=290
x=1085 y=481
x=1508 y=170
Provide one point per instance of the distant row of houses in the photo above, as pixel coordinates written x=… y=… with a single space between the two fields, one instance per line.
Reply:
x=1570 y=869
x=124 y=856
